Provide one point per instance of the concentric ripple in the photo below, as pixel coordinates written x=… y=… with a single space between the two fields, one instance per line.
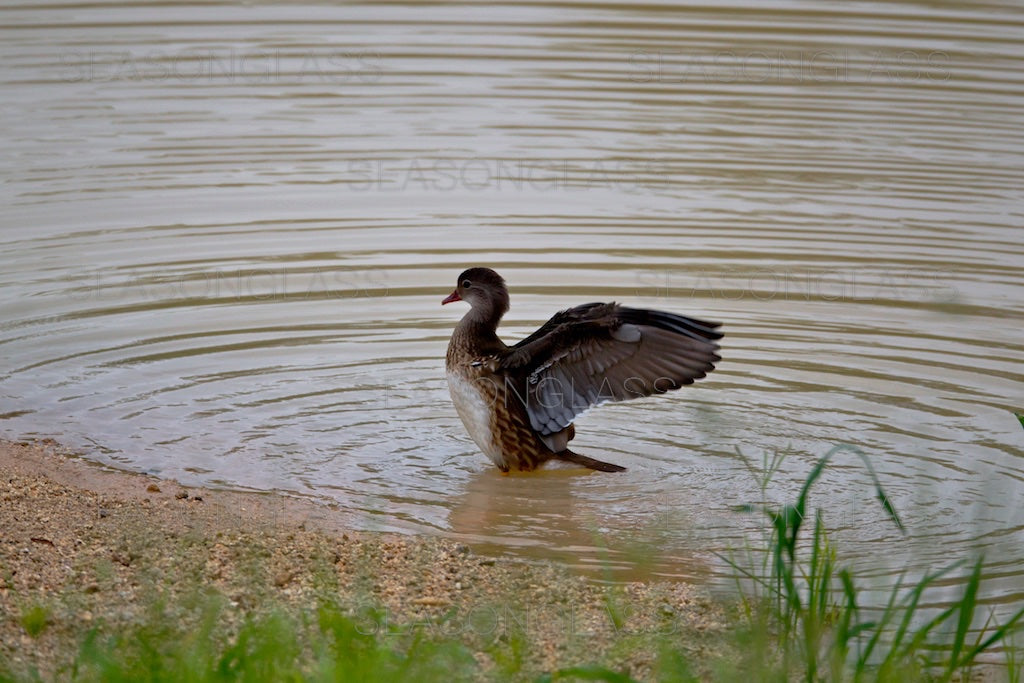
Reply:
x=227 y=231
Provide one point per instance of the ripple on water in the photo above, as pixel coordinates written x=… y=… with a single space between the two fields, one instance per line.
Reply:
x=226 y=237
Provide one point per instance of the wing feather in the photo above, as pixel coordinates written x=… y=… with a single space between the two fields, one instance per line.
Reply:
x=605 y=352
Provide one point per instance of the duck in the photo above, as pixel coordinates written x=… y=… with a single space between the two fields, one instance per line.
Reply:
x=518 y=403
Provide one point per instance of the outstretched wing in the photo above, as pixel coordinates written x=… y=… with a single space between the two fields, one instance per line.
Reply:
x=605 y=352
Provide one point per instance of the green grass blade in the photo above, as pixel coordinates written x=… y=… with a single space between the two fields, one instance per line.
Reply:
x=745 y=572
x=879 y=491
x=920 y=635
x=907 y=607
x=800 y=509
x=887 y=615
x=1003 y=631
x=846 y=630
x=966 y=616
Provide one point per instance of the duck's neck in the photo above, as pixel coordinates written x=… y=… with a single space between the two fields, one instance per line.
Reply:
x=479 y=326
x=487 y=314
x=482 y=320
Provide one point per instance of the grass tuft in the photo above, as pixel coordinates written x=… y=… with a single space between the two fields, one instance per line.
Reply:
x=810 y=607
x=35 y=620
x=275 y=646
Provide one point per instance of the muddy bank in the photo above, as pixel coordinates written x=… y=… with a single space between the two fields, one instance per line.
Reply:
x=89 y=548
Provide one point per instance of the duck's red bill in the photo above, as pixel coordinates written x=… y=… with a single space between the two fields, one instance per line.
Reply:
x=454 y=296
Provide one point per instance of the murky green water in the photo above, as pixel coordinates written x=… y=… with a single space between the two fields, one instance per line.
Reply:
x=227 y=231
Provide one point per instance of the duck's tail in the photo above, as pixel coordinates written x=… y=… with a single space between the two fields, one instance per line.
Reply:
x=586 y=461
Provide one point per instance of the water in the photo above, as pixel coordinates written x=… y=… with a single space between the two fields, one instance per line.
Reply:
x=227 y=231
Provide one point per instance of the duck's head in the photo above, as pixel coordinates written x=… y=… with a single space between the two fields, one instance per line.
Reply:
x=483 y=289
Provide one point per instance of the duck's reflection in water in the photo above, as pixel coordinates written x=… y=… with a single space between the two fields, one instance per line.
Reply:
x=547 y=515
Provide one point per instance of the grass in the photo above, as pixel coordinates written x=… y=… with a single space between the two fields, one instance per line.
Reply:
x=35 y=620
x=276 y=646
x=809 y=609
x=800 y=615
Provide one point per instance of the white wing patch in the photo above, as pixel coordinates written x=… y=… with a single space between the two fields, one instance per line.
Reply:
x=627 y=333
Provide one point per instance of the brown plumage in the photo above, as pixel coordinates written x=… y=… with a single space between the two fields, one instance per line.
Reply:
x=518 y=402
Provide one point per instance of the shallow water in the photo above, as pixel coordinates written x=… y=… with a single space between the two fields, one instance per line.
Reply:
x=227 y=231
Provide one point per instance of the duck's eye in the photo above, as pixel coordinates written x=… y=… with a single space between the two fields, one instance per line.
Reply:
x=466 y=284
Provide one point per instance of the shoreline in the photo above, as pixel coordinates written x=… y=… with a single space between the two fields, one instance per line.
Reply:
x=89 y=544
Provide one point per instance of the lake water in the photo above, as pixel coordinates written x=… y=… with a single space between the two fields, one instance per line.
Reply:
x=227 y=231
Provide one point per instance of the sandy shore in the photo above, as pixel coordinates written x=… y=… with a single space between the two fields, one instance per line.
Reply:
x=92 y=544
